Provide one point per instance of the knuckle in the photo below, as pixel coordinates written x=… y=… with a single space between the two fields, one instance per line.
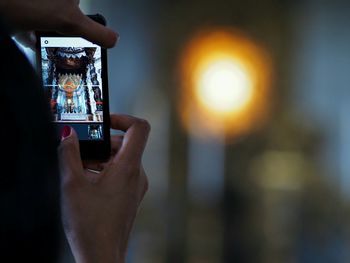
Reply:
x=146 y=184
x=144 y=180
x=130 y=168
x=144 y=125
x=67 y=22
x=68 y=26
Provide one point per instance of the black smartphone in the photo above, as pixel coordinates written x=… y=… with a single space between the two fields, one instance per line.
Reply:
x=74 y=76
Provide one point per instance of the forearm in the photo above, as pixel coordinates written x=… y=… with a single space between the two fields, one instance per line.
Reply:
x=97 y=258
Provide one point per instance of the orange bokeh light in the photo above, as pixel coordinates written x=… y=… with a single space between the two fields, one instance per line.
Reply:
x=226 y=84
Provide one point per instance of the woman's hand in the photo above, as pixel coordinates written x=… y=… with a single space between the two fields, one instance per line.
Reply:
x=63 y=16
x=99 y=209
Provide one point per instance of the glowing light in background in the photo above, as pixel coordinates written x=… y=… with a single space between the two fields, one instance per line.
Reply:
x=226 y=84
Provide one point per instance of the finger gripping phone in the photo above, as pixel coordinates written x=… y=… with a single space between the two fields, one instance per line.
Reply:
x=74 y=76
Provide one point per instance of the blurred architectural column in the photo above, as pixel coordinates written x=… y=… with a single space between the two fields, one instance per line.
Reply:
x=241 y=241
x=205 y=189
x=320 y=67
x=177 y=210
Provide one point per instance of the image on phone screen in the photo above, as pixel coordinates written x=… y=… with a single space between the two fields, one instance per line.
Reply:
x=72 y=77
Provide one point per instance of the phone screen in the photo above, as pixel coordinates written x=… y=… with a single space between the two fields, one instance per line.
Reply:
x=72 y=77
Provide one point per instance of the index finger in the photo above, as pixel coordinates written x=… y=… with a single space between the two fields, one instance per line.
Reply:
x=92 y=30
x=135 y=137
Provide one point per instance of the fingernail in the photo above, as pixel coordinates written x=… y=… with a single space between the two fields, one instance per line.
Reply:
x=66 y=132
x=115 y=36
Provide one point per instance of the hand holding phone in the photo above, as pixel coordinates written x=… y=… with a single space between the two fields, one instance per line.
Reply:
x=99 y=209
x=74 y=76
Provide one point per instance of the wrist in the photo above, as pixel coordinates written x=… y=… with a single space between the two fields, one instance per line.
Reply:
x=96 y=251
x=98 y=256
x=102 y=259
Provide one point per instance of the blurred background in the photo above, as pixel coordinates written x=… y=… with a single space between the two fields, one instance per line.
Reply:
x=249 y=155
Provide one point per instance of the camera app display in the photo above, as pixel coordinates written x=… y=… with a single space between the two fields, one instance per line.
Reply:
x=71 y=69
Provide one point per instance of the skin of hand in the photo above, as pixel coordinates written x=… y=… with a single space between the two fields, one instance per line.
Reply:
x=62 y=16
x=98 y=209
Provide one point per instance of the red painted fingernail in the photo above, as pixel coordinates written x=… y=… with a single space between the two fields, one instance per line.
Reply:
x=66 y=132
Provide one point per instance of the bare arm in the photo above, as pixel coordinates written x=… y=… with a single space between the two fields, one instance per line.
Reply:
x=99 y=209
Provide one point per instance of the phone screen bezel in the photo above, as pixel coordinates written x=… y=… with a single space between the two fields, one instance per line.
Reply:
x=89 y=150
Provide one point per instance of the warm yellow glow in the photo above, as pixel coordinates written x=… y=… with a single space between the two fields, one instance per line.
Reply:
x=226 y=84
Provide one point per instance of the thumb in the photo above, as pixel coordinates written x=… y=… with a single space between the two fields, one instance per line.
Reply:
x=69 y=155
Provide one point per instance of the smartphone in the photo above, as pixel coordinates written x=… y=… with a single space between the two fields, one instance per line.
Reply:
x=74 y=76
